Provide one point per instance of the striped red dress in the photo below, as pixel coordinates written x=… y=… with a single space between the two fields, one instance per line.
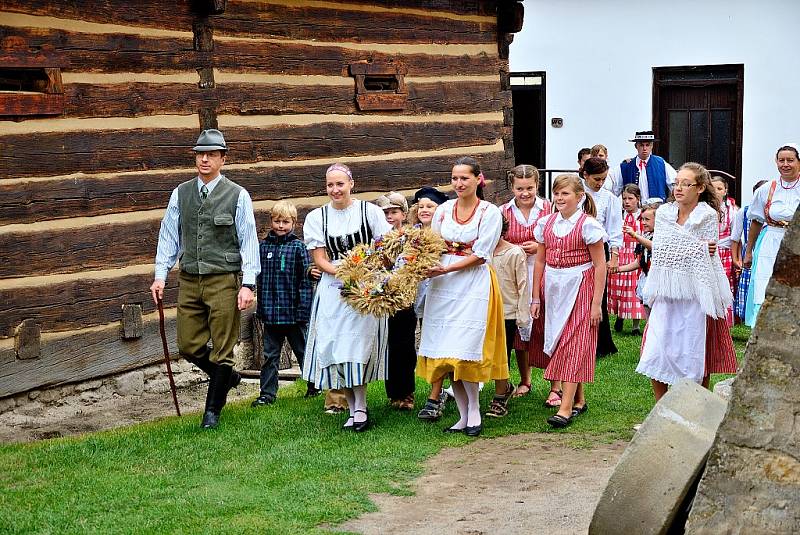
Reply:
x=622 y=300
x=574 y=357
x=519 y=232
x=724 y=250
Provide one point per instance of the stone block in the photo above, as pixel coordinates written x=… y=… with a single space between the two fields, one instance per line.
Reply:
x=723 y=388
x=661 y=464
x=27 y=340
x=6 y=404
x=88 y=385
x=129 y=384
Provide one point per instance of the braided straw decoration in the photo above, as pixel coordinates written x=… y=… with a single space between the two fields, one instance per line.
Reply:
x=382 y=277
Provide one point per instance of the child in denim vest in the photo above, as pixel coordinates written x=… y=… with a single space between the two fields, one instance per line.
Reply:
x=284 y=297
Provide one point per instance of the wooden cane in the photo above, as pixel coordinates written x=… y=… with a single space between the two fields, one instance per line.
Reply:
x=166 y=355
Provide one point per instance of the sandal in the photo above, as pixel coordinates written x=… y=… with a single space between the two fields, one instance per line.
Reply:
x=559 y=421
x=519 y=393
x=406 y=404
x=497 y=408
x=432 y=411
x=551 y=403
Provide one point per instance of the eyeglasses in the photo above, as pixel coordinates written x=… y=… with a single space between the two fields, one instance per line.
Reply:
x=684 y=185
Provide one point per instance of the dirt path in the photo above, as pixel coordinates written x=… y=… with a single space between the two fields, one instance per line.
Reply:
x=534 y=483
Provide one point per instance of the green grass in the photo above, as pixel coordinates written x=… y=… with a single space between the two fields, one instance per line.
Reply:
x=283 y=469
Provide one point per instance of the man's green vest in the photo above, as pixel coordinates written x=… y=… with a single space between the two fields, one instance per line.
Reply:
x=208 y=228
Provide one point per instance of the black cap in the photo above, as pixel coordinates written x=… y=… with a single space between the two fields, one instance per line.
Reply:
x=433 y=194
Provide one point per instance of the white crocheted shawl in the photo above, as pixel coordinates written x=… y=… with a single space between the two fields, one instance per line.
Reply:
x=681 y=267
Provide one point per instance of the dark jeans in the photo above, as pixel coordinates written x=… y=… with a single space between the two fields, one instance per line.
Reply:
x=400 y=382
x=511 y=332
x=605 y=343
x=274 y=335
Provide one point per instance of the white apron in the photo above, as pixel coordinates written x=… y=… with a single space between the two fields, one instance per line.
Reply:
x=561 y=287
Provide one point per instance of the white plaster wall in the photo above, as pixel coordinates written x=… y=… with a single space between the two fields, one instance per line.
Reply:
x=599 y=55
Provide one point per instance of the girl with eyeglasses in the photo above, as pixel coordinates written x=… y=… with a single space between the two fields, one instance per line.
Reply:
x=687 y=335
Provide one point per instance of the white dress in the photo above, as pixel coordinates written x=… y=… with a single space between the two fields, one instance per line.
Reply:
x=344 y=348
x=457 y=304
x=674 y=345
x=784 y=204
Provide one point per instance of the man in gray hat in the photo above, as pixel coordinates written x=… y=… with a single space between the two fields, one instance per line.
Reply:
x=654 y=175
x=209 y=224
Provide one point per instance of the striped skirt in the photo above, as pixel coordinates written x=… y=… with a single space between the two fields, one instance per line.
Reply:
x=622 y=300
x=574 y=358
x=726 y=257
x=720 y=353
x=536 y=355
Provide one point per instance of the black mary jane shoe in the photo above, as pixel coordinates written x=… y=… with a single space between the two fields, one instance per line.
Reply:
x=452 y=430
x=557 y=421
x=473 y=430
x=361 y=426
x=346 y=427
x=577 y=411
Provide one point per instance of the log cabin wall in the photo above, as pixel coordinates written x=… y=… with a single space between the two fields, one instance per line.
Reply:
x=87 y=163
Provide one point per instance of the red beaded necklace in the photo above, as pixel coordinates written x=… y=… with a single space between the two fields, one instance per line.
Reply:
x=467 y=220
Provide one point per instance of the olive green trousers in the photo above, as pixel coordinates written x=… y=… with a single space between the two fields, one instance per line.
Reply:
x=208 y=310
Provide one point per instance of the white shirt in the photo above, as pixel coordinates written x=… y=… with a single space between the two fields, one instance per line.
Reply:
x=342 y=222
x=592 y=231
x=533 y=215
x=737 y=227
x=784 y=202
x=483 y=229
x=609 y=214
x=614 y=180
x=169 y=236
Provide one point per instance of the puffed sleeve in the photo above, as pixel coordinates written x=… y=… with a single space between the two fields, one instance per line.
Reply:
x=313 y=235
x=538 y=230
x=593 y=231
x=491 y=226
x=756 y=210
x=438 y=215
x=377 y=220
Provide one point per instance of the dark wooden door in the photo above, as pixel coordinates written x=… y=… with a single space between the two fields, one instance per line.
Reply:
x=697 y=117
x=528 y=101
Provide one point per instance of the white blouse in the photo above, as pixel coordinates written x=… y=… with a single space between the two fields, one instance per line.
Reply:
x=538 y=206
x=592 y=231
x=609 y=214
x=342 y=222
x=784 y=202
x=484 y=228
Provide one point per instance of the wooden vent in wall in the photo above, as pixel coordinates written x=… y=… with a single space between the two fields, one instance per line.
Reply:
x=380 y=86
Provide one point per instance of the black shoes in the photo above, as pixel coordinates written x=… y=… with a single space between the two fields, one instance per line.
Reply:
x=473 y=430
x=262 y=400
x=361 y=426
x=312 y=391
x=221 y=382
x=618 y=325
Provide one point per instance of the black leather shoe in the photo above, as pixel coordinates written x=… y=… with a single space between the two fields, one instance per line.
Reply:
x=451 y=430
x=260 y=401
x=361 y=426
x=474 y=430
x=210 y=420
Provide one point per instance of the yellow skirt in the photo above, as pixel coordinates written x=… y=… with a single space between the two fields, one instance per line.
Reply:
x=493 y=365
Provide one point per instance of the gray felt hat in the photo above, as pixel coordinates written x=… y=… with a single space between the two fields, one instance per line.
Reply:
x=209 y=140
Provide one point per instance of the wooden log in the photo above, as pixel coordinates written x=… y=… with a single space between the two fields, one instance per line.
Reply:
x=23 y=104
x=84 y=356
x=464 y=7
x=105 y=246
x=81 y=303
x=62 y=153
x=342 y=24
x=28 y=202
x=140 y=99
x=27 y=340
x=74 y=51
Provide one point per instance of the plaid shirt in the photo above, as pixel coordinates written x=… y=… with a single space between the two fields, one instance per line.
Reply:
x=284 y=289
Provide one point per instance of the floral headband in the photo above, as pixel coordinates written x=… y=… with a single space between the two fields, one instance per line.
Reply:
x=340 y=167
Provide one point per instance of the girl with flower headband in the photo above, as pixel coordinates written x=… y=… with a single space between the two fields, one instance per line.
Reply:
x=345 y=349
x=462 y=328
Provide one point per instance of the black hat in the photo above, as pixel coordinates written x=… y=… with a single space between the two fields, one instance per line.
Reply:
x=645 y=135
x=433 y=194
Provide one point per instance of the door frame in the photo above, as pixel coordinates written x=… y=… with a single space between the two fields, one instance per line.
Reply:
x=533 y=87
x=703 y=76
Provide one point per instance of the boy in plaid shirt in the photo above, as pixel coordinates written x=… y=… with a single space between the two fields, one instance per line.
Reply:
x=284 y=297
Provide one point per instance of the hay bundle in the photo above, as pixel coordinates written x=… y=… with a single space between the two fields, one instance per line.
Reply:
x=382 y=277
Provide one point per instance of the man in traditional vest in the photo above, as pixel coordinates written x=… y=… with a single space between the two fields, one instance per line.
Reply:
x=654 y=176
x=209 y=224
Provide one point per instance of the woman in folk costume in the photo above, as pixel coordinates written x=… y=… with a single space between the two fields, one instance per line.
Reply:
x=773 y=205
x=609 y=215
x=572 y=261
x=522 y=213
x=739 y=229
x=345 y=349
x=728 y=210
x=462 y=327
x=687 y=335
x=622 y=300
